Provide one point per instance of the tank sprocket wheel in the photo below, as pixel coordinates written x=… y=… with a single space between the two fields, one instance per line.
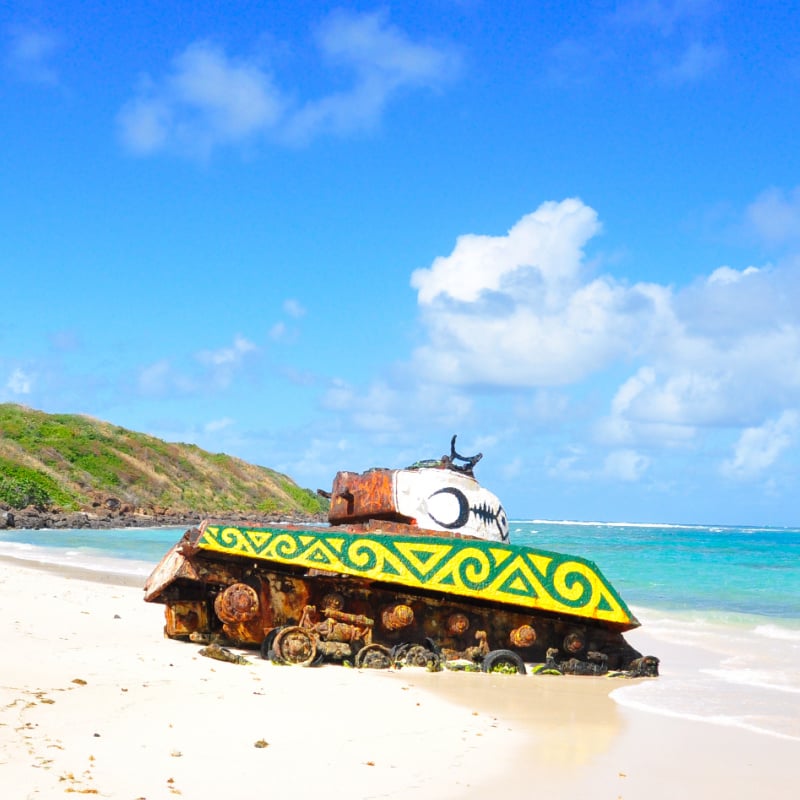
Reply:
x=374 y=656
x=503 y=661
x=295 y=645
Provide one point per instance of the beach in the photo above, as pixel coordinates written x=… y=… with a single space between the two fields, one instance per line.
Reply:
x=94 y=700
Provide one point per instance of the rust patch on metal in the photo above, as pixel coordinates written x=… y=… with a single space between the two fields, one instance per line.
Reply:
x=457 y=624
x=397 y=616
x=362 y=496
x=186 y=617
x=574 y=642
x=238 y=603
x=523 y=636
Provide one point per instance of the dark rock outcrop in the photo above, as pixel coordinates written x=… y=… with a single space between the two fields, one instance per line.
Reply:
x=123 y=516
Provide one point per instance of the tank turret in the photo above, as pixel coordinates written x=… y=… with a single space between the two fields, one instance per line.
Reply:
x=441 y=495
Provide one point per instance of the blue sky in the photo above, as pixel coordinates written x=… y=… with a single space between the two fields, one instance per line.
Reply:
x=322 y=236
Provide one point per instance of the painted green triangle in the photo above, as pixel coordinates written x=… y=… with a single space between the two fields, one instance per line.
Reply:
x=518 y=584
x=604 y=605
x=391 y=569
x=257 y=543
x=318 y=553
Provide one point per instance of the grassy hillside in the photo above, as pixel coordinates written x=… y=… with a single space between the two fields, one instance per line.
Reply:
x=74 y=463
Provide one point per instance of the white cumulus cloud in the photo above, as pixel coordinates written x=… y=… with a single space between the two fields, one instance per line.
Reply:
x=523 y=310
x=731 y=359
x=591 y=377
x=545 y=246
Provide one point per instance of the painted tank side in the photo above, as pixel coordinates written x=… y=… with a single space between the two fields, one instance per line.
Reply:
x=243 y=600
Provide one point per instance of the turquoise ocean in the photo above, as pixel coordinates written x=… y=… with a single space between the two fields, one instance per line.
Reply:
x=719 y=605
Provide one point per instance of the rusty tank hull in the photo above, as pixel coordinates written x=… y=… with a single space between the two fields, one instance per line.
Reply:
x=377 y=588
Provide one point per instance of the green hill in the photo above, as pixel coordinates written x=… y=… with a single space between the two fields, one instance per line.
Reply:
x=70 y=463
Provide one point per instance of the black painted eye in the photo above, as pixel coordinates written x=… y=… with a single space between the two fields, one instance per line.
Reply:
x=462 y=515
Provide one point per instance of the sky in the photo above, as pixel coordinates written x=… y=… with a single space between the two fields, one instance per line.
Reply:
x=323 y=236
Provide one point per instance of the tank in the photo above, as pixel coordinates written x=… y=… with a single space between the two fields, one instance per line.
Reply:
x=415 y=568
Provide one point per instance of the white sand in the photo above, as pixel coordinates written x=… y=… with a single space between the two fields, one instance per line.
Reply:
x=154 y=719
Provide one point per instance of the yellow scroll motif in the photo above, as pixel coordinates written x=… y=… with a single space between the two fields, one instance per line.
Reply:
x=520 y=576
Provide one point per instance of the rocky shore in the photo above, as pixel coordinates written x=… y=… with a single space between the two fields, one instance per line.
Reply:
x=124 y=517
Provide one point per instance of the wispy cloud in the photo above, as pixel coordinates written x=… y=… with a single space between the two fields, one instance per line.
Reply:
x=31 y=54
x=19 y=382
x=672 y=43
x=210 y=99
x=774 y=216
x=758 y=448
x=383 y=60
x=161 y=378
x=664 y=15
x=217 y=370
x=278 y=331
x=625 y=465
x=281 y=331
x=225 y=363
x=228 y=356
x=692 y=63
x=293 y=308
x=388 y=408
x=216 y=425
x=581 y=464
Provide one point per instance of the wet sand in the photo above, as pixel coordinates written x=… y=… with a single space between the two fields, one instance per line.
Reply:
x=94 y=700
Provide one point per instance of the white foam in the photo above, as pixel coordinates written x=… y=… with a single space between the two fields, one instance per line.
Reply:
x=777 y=632
x=54 y=556
x=622 y=696
x=759 y=678
x=606 y=524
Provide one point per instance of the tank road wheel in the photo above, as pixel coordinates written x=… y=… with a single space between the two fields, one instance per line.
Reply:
x=374 y=656
x=295 y=645
x=432 y=646
x=398 y=652
x=503 y=661
x=266 y=646
x=420 y=656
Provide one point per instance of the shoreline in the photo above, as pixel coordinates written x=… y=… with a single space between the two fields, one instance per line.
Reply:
x=75 y=572
x=152 y=710
x=32 y=520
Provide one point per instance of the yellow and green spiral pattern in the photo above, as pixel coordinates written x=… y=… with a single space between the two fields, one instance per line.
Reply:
x=520 y=576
